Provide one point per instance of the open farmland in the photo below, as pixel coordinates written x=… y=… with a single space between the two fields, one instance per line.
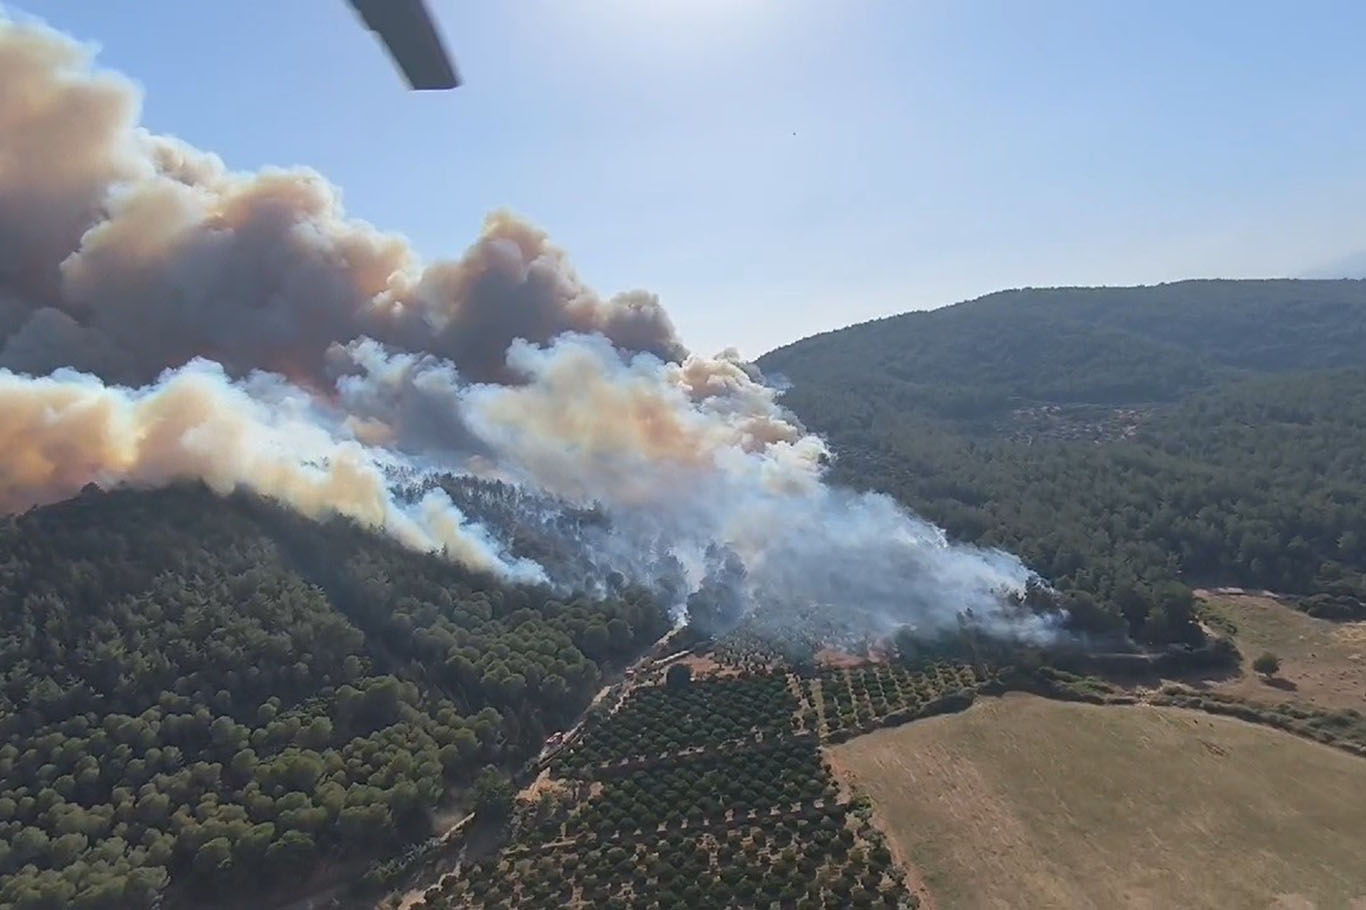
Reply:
x=710 y=792
x=838 y=783
x=1323 y=662
x=1022 y=801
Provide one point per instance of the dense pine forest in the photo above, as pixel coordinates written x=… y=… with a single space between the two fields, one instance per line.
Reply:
x=205 y=696
x=199 y=694
x=1128 y=443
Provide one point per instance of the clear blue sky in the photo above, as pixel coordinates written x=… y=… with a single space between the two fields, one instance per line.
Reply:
x=780 y=167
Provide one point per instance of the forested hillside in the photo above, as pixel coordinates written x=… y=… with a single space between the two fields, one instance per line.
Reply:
x=1127 y=442
x=203 y=696
x=1109 y=346
x=200 y=693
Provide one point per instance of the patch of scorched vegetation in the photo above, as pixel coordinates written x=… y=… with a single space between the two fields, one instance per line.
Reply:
x=792 y=634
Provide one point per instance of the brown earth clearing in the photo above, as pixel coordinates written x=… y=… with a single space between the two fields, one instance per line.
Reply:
x=1025 y=802
x=1322 y=662
x=830 y=657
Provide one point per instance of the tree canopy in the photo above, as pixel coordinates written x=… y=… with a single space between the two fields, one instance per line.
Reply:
x=198 y=692
x=1127 y=443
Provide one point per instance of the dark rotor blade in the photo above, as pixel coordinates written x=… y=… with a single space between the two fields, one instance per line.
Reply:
x=407 y=31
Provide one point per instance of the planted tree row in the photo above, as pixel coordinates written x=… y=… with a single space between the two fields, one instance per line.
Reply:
x=863 y=698
x=822 y=857
x=756 y=822
x=663 y=720
x=707 y=786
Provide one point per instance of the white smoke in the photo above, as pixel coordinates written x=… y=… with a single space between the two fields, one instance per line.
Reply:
x=163 y=318
x=69 y=429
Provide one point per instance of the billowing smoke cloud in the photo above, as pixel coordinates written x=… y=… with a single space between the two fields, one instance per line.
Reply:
x=68 y=429
x=127 y=253
x=164 y=318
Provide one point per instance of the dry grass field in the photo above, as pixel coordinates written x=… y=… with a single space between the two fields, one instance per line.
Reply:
x=1026 y=802
x=1322 y=662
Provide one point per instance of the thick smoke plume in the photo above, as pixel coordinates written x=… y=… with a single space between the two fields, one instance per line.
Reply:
x=165 y=318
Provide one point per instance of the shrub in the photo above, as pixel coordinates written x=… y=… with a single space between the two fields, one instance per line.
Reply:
x=678 y=676
x=1267 y=664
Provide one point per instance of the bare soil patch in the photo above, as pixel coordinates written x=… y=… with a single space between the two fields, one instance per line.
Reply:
x=706 y=665
x=832 y=658
x=1025 y=802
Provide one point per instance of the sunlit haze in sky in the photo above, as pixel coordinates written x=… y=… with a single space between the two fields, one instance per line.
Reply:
x=777 y=168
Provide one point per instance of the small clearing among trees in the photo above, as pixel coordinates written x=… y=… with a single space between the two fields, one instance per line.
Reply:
x=1322 y=662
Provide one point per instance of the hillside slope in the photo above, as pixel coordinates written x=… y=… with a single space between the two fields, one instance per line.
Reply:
x=221 y=696
x=1123 y=440
x=1088 y=345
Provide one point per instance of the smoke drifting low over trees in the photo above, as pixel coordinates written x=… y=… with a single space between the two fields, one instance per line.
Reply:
x=163 y=318
x=1127 y=442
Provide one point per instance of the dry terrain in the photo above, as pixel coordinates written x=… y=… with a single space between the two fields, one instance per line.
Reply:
x=1322 y=662
x=1026 y=802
